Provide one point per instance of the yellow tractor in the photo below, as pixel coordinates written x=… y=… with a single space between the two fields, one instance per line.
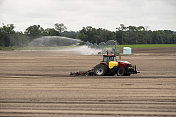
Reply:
x=110 y=66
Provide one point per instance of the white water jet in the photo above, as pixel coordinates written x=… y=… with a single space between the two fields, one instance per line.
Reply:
x=53 y=41
x=85 y=50
x=67 y=45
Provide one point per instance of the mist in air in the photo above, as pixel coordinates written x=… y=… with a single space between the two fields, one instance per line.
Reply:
x=68 y=45
x=64 y=44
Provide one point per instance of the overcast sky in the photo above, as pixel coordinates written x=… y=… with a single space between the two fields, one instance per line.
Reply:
x=75 y=14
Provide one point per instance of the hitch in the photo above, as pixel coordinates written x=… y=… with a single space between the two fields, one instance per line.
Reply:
x=83 y=73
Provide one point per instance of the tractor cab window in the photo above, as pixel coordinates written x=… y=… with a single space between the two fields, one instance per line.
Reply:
x=105 y=59
x=109 y=58
x=112 y=58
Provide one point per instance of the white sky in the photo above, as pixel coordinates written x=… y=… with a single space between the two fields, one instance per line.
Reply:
x=75 y=14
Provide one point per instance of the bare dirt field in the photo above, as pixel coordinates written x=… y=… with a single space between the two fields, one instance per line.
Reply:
x=37 y=84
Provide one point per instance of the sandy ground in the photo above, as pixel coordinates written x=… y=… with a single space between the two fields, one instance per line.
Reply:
x=37 y=84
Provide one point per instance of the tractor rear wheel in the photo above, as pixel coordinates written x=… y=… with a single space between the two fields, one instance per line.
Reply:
x=121 y=71
x=100 y=70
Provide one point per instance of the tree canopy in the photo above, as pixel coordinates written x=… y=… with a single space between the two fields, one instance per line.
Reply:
x=5 y=32
x=123 y=35
x=34 y=31
x=60 y=27
x=128 y=35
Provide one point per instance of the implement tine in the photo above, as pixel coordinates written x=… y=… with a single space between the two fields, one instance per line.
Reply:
x=83 y=73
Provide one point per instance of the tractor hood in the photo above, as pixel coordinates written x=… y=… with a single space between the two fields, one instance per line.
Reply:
x=124 y=62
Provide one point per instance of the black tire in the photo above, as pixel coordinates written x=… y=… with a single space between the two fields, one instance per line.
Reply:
x=100 y=70
x=121 y=72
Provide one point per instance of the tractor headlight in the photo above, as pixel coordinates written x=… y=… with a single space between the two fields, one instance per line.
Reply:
x=130 y=67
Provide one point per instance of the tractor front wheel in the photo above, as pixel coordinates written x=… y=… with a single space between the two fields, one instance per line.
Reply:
x=100 y=70
x=121 y=71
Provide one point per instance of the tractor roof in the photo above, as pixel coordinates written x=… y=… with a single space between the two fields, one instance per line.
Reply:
x=109 y=55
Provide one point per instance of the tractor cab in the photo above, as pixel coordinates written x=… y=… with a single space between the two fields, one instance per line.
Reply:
x=110 y=61
x=108 y=58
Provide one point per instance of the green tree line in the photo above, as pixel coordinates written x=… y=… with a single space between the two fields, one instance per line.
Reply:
x=123 y=35
x=128 y=35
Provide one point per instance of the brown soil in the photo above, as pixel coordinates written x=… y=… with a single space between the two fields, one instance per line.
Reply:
x=37 y=83
x=162 y=50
